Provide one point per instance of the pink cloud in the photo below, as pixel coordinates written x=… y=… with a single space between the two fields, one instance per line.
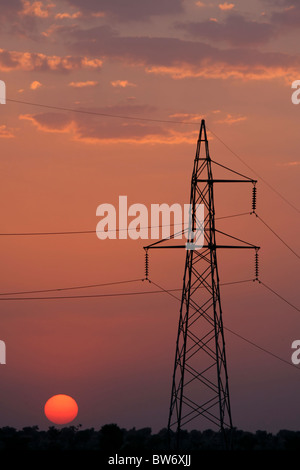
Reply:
x=226 y=6
x=99 y=14
x=289 y=17
x=230 y=119
x=5 y=132
x=35 y=85
x=30 y=61
x=88 y=83
x=225 y=71
x=94 y=130
x=35 y=9
x=61 y=16
x=130 y=10
x=184 y=59
x=292 y=164
x=122 y=84
x=50 y=122
x=235 y=29
x=187 y=117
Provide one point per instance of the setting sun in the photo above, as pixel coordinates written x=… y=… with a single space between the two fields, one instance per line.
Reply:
x=61 y=409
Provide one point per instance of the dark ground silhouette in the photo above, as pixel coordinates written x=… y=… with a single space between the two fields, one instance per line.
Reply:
x=111 y=439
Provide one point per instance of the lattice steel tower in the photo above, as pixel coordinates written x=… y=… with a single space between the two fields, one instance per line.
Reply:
x=200 y=379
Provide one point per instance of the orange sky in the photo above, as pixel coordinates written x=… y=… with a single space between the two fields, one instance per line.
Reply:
x=175 y=60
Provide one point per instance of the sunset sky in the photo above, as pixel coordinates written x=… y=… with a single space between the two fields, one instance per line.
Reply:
x=231 y=63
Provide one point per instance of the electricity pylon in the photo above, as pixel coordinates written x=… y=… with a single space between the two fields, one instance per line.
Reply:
x=200 y=379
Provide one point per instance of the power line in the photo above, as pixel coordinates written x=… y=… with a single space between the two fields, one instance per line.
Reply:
x=90 y=286
x=96 y=113
x=59 y=289
x=168 y=291
x=236 y=282
x=261 y=348
x=233 y=332
x=256 y=173
x=279 y=296
x=231 y=216
x=118 y=294
x=276 y=234
x=165 y=121
x=30 y=234
x=162 y=290
x=82 y=232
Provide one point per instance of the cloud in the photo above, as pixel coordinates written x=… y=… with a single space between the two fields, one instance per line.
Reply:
x=50 y=31
x=122 y=84
x=5 y=132
x=225 y=71
x=180 y=58
x=235 y=30
x=61 y=16
x=99 y=14
x=130 y=10
x=293 y=164
x=289 y=16
x=31 y=61
x=49 y=122
x=10 y=8
x=34 y=85
x=94 y=129
x=14 y=21
x=88 y=83
x=230 y=119
x=187 y=117
x=226 y=6
x=35 y=9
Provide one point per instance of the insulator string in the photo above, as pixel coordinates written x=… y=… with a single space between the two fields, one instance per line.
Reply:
x=254 y=198
x=146 y=265
x=256 y=265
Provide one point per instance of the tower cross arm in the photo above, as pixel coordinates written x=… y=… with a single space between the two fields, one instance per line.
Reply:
x=211 y=181
x=210 y=246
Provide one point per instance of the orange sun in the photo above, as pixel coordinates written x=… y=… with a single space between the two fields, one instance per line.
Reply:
x=61 y=409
